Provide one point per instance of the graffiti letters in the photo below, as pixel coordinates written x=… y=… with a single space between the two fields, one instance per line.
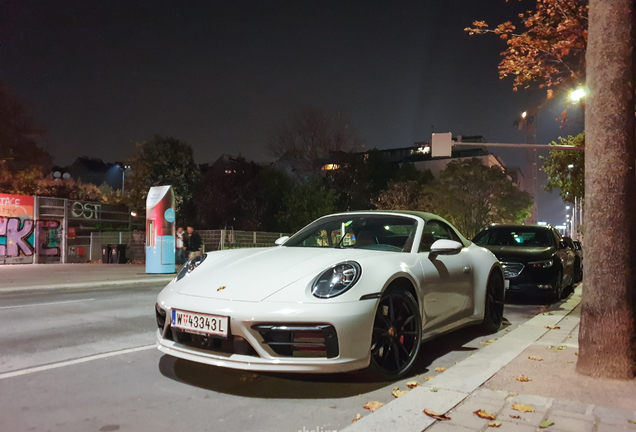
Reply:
x=15 y=234
x=19 y=237
x=49 y=240
x=85 y=210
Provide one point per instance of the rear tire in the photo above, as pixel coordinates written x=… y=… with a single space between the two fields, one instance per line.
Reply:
x=494 y=308
x=397 y=335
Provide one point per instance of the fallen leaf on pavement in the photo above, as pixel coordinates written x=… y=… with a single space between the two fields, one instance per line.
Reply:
x=397 y=393
x=552 y=327
x=221 y=288
x=576 y=354
x=631 y=421
x=373 y=406
x=248 y=377
x=515 y=417
x=485 y=415
x=523 y=378
x=358 y=417
x=494 y=424
x=546 y=424
x=486 y=343
x=434 y=390
x=522 y=408
x=428 y=378
x=535 y=358
x=569 y=362
x=558 y=348
x=440 y=369
x=435 y=415
x=494 y=388
x=412 y=384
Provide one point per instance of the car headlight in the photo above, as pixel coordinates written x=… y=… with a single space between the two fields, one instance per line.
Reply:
x=189 y=266
x=336 y=280
x=541 y=264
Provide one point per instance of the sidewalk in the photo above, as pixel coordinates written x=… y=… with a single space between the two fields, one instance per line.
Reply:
x=41 y=277
x=555 y=398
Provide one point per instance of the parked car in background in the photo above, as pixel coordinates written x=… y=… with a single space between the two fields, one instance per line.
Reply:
x=578 y=250
x=535 y=258
x=349 y=291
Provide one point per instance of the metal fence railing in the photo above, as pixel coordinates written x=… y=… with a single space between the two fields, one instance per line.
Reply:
x=135 y=242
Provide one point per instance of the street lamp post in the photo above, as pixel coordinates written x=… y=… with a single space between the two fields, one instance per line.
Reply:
x=123 y=177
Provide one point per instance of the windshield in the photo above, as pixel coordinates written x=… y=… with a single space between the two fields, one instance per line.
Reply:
x=374 y=232
x=515 y=236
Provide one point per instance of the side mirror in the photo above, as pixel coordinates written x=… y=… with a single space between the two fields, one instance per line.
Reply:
x=446 y=247
x=281 y=240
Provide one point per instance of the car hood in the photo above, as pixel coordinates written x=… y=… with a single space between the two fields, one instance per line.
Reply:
x=255 y=274
x=521 y=254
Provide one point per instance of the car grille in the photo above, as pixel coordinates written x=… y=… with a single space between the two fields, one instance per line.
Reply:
x=229 y=346
x=511 y=269
x=291 y=340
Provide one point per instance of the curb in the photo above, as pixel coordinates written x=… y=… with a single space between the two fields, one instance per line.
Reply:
x=84 y=285
x=459 y=381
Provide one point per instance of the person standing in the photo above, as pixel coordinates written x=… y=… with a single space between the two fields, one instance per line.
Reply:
x=193 y=244
x=179 y=247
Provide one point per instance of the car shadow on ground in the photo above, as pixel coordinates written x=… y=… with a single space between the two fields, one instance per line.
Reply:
x=327 y=386
x=305 y=386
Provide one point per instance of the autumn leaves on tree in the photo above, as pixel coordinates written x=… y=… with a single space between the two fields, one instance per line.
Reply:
x=547 y=49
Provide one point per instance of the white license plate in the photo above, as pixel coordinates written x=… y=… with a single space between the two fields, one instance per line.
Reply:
x=193 y=322
x=507 y=283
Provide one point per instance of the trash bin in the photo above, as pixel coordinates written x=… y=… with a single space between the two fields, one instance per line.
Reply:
x=106 y=254
x=118 y=254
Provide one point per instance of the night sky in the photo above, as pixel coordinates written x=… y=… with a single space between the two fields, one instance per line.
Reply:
x=101 y=75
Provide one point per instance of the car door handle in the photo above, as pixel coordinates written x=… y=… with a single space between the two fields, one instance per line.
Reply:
x=466 y=269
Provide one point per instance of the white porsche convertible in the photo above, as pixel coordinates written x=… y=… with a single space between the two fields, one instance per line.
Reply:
x=349 y=291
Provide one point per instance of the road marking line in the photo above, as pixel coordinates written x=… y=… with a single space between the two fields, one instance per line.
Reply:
x=73 y=362
x=45 y=304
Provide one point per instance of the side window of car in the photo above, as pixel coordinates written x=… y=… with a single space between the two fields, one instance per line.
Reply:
x=435 y=230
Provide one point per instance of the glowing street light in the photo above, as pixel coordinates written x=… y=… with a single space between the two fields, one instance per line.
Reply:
x=567 y=207
x=571 y=166
x=524 y=114
x=577 y=95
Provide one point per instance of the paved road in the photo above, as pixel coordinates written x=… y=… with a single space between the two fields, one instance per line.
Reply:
x=85 y=361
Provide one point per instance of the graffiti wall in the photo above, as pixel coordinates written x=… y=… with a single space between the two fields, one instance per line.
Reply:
x=22 y=237
x=17 y=235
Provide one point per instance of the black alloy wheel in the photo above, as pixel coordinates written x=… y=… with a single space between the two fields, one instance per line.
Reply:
x=397 y=334
x=494 y=307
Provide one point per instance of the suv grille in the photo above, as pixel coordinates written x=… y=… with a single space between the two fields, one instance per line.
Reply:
x=511 y=269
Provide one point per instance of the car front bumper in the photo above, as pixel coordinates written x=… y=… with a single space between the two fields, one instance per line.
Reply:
x=352 y=322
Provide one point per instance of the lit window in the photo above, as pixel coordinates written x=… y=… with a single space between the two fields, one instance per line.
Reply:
x=330 y=167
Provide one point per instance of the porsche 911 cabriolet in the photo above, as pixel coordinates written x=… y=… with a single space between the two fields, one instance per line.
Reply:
x=350 y=291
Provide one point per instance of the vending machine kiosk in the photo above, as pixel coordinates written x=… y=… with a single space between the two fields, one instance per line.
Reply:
x=160 y=216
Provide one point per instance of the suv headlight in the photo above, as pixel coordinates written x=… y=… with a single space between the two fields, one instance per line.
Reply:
x=541 y=264
x=189 y=266
x=336 y=280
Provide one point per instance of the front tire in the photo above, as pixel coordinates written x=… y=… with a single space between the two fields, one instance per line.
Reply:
x=557 y=293
x=494 y=308
x=397 y=335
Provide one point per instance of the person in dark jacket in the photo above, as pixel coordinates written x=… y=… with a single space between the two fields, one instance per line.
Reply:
x=193 y=244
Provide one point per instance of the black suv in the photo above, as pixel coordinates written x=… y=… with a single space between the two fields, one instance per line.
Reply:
x=534 y=258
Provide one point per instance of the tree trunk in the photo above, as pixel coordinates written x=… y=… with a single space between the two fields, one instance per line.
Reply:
x=607 y=337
